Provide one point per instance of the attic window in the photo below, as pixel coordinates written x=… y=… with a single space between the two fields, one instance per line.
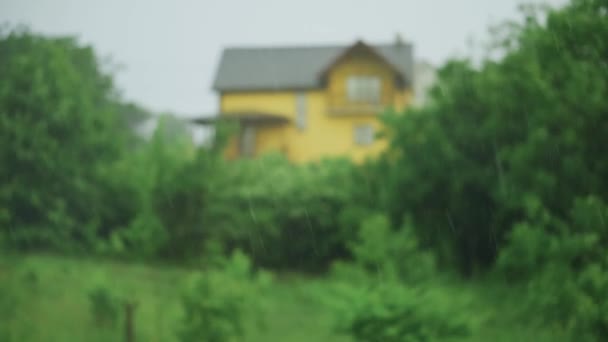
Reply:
x=363 y=89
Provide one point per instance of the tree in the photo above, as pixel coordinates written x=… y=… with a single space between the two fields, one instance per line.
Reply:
x=528 y=126
x=58 y=128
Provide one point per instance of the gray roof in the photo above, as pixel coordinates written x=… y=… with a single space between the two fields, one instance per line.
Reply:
x=268 y=68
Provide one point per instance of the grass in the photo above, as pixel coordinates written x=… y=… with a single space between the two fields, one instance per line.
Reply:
x=54 y=304
x=504 y=312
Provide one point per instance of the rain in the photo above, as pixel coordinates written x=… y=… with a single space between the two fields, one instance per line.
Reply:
x=303 y=171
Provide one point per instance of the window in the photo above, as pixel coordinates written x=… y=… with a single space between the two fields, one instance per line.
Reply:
x=301 y=109
x=363 y=89
x=364 y=135
x=247 y=141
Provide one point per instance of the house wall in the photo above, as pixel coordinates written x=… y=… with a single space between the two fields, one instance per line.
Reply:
x=360 y=62
x=331 y=119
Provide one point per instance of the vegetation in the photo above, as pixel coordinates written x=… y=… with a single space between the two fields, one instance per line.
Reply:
x=105 y=307
x=216 y=302
x=295 y=308
x=484 y=220
x=395 y=296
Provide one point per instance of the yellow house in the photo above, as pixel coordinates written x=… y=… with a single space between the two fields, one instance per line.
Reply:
x=311 y=102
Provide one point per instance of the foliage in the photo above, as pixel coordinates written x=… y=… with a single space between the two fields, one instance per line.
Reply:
x=501 y=155
x=505 y=166
x=292 y=311
x=58 y=128
x=283 y=215
x=385 y=293
x=564 y=266
x=166 y=178
x=398 y=313
x=79 y=178
x=392 y=253
x=373 y=309
x=218 y=301
x=105 y=306
x=158 y=199
x=529 y=124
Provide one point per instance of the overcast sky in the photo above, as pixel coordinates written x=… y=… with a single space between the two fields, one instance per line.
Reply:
x=170 y=48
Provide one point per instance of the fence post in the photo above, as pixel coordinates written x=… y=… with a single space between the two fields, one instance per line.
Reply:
x=129 y=321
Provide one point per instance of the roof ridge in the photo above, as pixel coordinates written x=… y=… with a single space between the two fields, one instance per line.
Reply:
x=281 y=47
x=307 y=46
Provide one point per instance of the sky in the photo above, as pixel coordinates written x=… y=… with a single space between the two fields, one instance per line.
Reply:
x=169 y=50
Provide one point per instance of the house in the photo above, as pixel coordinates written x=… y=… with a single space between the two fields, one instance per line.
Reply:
x=313 y=101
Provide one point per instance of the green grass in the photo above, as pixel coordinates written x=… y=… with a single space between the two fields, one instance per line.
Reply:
x=503 y=309
x=54 y=304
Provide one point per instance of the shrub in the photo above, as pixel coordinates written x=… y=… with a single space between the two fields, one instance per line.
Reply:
x=380 y=296
x=564 y=266
x=105 y=306
x=218 y=301
x=392 y=312
x=282 y=215
x=379 y=248
x=526 y=252
x=396 y=313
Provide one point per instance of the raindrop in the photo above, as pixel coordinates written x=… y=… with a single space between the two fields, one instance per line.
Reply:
x=312 y=234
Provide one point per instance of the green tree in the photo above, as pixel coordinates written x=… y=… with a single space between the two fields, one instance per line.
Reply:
x=530 y=124
x=58 y=128
x=164 y=183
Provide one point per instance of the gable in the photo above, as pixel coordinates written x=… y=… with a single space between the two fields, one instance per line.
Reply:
x=293 y=68
x=364 y=58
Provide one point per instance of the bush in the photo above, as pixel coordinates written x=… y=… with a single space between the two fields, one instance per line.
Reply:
x=397 y=313
x=163 y=185
x=390 y=311
x=105 y=306
x=219 y=301
x=282 y=215
x=379 y=248
x=380 y=297
x=564 y=266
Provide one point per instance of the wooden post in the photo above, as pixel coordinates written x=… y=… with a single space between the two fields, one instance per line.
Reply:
x=129 y=321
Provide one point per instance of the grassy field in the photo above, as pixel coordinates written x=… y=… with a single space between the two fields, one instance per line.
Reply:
x=57 y=308
x=54 y=305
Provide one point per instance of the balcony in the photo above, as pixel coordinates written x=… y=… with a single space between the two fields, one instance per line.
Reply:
x=340 y=104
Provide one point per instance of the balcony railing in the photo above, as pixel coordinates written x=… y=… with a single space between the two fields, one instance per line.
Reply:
x=339 y=104
x=356 y=109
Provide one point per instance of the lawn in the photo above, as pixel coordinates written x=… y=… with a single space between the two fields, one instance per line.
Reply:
x=54 y=304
